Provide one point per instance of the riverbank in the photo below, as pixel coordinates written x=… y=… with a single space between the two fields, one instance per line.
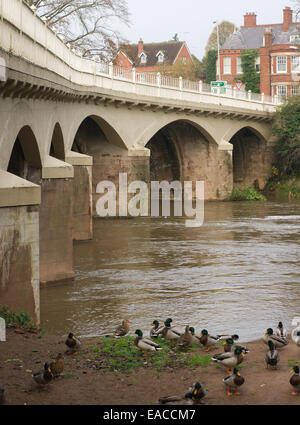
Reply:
x=87 y=381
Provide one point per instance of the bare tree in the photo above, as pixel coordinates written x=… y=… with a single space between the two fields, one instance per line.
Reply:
x=226 y=28
x=88 y=25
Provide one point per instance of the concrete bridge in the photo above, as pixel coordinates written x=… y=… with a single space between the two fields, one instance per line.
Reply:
x=68 y=123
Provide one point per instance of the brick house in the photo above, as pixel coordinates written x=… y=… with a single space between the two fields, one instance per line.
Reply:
x=278 y=60
x=153 y=57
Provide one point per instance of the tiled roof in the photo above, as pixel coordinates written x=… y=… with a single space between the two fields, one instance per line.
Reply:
x=170 y=50
x=253 y=38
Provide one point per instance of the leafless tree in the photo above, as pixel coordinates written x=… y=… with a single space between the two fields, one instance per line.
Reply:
x=88 y=25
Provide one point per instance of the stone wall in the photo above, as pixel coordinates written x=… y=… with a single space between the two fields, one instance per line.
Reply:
x=82 y=192
x=19 y=253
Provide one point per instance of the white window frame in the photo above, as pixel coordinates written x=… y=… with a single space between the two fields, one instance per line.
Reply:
x=295 y=38
x=295 y=64
x=281 y=92
x=295 y=90
x=239 y=69
x=160 y=57
x=143 y=57
x=257 y=64
x=281 y=62
x=227 y=66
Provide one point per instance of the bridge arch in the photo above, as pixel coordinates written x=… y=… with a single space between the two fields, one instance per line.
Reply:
x=25 y=159
x=57 y=146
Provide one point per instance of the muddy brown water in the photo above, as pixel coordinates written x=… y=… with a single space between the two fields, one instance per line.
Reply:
x=239 y=272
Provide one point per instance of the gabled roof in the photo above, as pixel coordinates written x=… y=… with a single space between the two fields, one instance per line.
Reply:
x=253 y=37
x=170 y=49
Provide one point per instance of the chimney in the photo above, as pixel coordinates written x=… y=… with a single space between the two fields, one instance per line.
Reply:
x=268 y=37
x=250 y=20
x=287 y=18
x=140 y=46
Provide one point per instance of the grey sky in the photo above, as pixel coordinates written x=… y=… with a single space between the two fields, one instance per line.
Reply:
x=159 y=20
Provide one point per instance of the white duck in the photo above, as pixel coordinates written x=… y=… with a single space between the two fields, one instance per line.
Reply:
x=296 y=331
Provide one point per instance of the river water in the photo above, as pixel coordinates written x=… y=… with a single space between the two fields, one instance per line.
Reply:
x=238 y=273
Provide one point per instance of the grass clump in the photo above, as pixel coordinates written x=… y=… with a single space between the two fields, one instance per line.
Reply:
x=246 y=194
x=21 y=320
x=121 y=354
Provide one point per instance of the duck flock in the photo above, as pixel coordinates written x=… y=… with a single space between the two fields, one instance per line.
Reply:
x=232 y=356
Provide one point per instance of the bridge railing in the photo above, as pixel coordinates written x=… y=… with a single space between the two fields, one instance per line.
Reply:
x=24 y=34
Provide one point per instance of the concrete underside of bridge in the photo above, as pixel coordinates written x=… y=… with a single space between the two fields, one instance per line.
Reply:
x=57 y=144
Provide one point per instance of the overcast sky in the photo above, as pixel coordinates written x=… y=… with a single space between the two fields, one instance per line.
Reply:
x=159 y=20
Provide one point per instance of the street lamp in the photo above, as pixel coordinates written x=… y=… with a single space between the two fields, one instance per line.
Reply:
x=218 y=43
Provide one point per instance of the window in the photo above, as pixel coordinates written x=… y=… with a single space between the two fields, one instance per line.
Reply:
x=295 y=38
x=227 y=65
x=295 y=90
x=160 y=57
x=143 y=58
x=295 y=63
x=121 y=63
x=281 y=64
x=281 y=90
x=257 y=64
x=183 y=60
x=239 y=69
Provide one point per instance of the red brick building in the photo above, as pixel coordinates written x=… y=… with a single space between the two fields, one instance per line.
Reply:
x=152 y=57
x=278 y=60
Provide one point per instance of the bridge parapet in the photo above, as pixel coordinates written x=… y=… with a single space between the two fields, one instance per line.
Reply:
x=24 y=34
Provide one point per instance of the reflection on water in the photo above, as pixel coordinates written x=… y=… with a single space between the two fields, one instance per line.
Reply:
x=239 y=272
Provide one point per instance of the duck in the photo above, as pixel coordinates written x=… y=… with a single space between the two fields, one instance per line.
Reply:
x=57 y=367
x=272 y=357
x=144 y=344
x=280 y=331
x=235 y=337
x=170 y=333
x=122 y=329
x=2 y=396
x=156 y=330
x=73 y=343
x=195 y=338
x=228 y=345
x=43 y=377
x=230 y=359
x=208 y=340
x=277 y=341
x=296 y=335
x=194 y=396
x=295 y=380
x=185 y=339
x=233 y=382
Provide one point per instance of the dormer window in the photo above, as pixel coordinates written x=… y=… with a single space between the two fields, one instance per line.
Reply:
x=160 y=57
x=143 y=57
x=295 y=38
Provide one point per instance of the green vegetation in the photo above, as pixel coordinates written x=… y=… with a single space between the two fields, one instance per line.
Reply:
x=210 y=62
x=250 y=77
x=122 y=355
x=21 y=320
x=246 y=194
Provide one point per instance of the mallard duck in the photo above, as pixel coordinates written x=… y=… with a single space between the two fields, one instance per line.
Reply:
x=122 y=329
x=57 y=367
x=2 y=396
x=233 y=381
x=208 y=340
x=185 y=339
x=196 y=338
x=145 y=344
x=73 y=343
x=235 y=337
x=295 y=380
x=230 y=359
x=194 y=396
x=43 y=377
x=156 y=330
x=296 y=335
x=280 y=331
x=228 y=345
x=277 y=341
x=272 y=357
x=170 y=333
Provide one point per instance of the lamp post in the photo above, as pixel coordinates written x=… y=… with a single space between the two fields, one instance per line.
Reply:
x=218 y=43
